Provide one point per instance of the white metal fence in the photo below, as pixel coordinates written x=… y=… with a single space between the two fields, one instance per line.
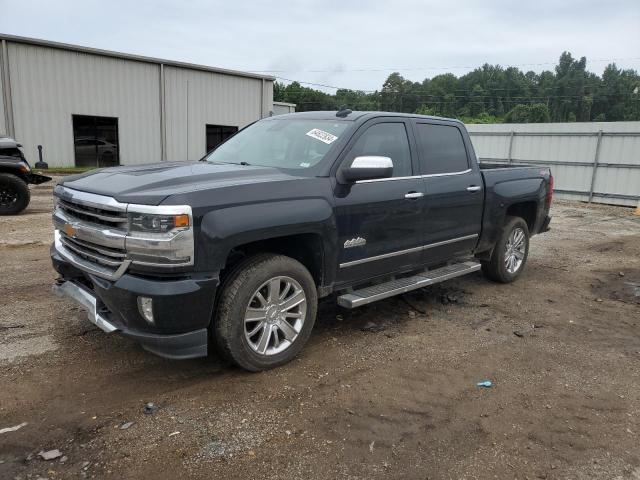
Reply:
x=597 y=161
x=280 y=108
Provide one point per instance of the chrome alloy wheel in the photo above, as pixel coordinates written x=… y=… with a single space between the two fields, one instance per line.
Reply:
x=275 y=315
x=514 y=250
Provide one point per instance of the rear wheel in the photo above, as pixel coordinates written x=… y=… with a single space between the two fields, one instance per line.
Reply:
x=266 y=312
x=510 y=252
x=14 y=194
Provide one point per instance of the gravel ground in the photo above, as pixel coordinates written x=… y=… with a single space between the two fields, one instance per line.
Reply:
x=384 y=391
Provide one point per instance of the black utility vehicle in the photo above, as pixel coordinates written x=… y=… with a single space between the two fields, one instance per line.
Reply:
x=235 y=250
x=15 y=175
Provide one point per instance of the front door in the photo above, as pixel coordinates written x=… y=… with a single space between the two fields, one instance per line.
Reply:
x=379 y=221
x=454 y=194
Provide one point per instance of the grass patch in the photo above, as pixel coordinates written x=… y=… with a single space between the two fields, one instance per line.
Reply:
x=63 y=170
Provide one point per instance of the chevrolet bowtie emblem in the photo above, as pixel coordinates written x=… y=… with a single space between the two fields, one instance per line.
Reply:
x=69 y=230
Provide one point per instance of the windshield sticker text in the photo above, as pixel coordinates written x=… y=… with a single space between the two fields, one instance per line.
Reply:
x=321 y=135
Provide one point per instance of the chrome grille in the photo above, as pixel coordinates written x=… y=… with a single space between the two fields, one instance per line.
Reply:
x=109 y=257
x=87 y=213
x=91 y=230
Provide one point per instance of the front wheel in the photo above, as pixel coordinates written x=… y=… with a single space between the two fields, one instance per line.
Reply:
x=266 y=312
x=510 y=252
x=14 y=194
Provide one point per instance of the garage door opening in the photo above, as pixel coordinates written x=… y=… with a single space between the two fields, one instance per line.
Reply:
x=216 y=134
x=95 y=141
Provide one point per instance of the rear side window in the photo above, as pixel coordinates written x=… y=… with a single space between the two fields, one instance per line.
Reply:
x=385 y=140
x=441 y=149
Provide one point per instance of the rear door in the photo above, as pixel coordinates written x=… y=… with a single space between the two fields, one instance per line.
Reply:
x=379 y=221
x=453 y=188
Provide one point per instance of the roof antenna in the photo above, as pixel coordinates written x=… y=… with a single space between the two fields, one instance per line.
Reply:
x=343 y=111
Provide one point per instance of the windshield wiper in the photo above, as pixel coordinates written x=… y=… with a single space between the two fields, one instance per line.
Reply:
x=246 y=164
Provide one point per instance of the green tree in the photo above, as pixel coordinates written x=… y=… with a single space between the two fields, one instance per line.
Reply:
x=615 y=100
x=484 y=117
x=534 y=113
x=397 y=95
x=493 y=93
x=424 y=110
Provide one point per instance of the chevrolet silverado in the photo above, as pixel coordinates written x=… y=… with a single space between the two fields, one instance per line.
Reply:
x=233 y=251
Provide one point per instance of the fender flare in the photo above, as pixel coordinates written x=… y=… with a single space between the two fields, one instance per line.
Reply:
x=226 y=228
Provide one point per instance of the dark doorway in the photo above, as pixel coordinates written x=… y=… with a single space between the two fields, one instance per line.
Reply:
x=216 y=134
x=95 y=141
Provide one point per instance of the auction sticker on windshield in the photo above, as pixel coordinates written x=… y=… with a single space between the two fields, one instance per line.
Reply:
x=321 y=135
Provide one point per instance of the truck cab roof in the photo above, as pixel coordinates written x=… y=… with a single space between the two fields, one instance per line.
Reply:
x=8 y=142
x=357 y=115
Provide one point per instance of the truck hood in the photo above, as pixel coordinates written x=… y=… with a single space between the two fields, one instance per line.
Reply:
x=152 y=183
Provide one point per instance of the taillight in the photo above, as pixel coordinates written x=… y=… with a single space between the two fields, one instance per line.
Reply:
x=546 y=174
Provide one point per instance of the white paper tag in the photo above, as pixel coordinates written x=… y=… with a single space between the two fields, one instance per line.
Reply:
x=321 y=135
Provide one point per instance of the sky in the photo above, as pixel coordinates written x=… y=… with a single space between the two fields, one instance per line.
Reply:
x=343 y=43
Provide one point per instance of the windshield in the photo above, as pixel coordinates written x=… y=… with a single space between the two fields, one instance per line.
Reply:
x=296 y=144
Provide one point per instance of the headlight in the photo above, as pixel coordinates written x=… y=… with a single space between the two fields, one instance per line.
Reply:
x=160 y=235
x=146 y=222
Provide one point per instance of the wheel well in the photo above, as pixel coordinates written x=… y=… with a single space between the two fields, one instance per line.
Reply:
x=305 y=248
x=526 y=211
x=12 y=171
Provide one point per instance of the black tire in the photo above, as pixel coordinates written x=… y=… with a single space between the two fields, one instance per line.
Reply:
x=238 y=290
x=496 y=269
x=14 y=194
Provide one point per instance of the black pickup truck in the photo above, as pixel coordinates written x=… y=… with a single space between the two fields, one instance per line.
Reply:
x=15 y=175
x=235 y=250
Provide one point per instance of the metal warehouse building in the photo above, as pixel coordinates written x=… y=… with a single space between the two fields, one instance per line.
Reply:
x=90 y=107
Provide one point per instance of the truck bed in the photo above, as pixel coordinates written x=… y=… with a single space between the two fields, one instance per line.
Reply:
x=505 y=182
x=496 y=165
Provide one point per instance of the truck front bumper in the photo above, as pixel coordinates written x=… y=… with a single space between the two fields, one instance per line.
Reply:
x=182 y=308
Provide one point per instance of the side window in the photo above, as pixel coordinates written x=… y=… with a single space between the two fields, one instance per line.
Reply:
x=441 y=149
x=385 y=140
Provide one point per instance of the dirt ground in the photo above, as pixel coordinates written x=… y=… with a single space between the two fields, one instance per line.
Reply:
x=386 y=391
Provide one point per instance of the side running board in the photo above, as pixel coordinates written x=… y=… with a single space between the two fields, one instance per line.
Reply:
x=366 y=295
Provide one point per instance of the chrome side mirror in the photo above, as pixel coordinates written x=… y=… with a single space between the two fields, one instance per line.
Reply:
x=367 y=168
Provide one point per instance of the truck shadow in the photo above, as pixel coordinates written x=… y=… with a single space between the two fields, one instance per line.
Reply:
x=94 y=349
x=390 y=312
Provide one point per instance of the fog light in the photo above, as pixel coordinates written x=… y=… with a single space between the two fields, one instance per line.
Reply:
x=145 y=307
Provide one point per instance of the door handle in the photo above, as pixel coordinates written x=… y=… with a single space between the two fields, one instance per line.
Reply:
x=473 y=188
x=412 y=195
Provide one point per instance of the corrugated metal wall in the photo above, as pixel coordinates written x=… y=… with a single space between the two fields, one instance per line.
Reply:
x=3 y=125
x=194 y=99
x=49 y=84
x=571 y=150
x=268 y=97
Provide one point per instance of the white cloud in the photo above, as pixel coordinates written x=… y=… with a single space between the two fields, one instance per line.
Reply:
x=338 y=37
